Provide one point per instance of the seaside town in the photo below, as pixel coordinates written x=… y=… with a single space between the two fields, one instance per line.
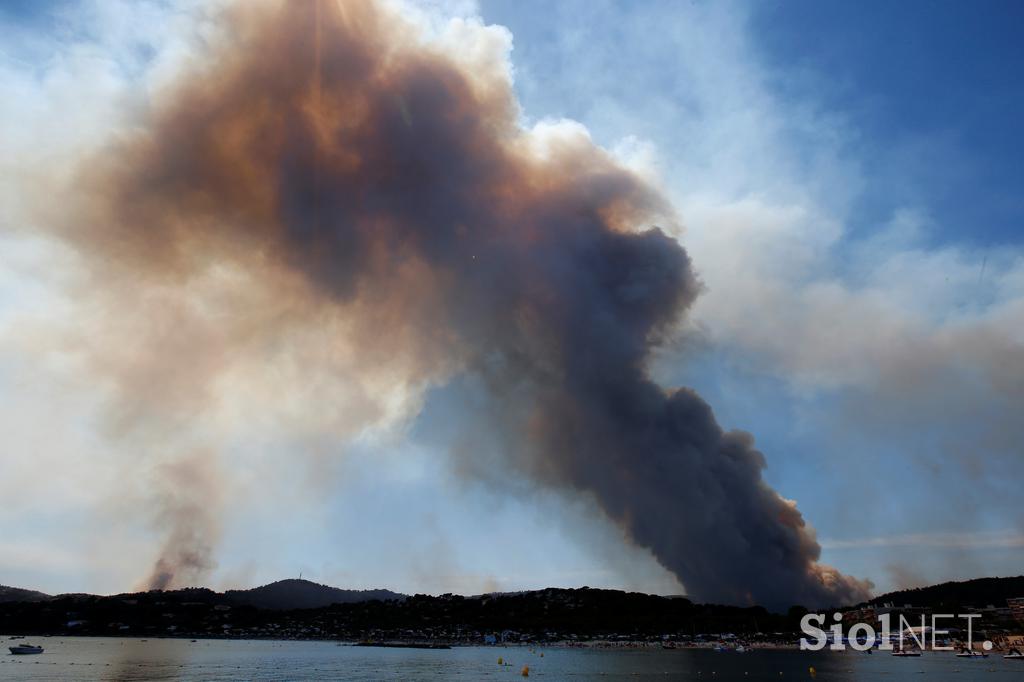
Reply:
x=553 y=617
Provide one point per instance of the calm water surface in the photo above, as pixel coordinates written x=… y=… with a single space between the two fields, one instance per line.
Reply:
x=88 y=658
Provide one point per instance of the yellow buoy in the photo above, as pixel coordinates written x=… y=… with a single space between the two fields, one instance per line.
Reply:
x=500 y=660
x=526 y=671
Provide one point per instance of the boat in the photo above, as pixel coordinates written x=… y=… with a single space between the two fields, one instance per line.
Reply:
x=739 y=648
x=906 y=652
x=24 y=649
x=971 y=653
x=1014 y=655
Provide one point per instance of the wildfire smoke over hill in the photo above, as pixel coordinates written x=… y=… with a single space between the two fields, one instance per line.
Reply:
x=327 y=180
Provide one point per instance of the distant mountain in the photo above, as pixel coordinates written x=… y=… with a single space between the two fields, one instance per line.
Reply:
x=18 y=594
x=280 y=595
x=978 y=592
x=303 y=594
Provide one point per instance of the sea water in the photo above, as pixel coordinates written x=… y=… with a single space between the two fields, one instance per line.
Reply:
x=87 y=658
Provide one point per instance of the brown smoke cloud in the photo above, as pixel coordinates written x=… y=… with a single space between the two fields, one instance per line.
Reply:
x=326 y=166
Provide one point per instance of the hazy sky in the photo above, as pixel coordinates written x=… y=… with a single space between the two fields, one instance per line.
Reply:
x=848 y=176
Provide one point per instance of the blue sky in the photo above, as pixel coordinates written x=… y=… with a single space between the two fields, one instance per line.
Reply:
x=935 y=85
x=928 y=94
x=848 y=176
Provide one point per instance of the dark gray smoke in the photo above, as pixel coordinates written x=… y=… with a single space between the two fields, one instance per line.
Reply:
x=187 y=508
x=326 y=140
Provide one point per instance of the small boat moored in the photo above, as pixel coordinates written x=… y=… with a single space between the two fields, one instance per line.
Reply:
x=26 y=649
x=1014 y=655
x=971 y=653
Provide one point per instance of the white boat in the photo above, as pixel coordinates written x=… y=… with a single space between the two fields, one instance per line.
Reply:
x=26 y=649
x=739 y=648
x=1014 y=655
x=905 y=653
x=970 y=653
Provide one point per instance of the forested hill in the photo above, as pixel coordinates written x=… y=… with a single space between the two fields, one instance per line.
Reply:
x=20 y=594
x=304 y=594
x=978 y=592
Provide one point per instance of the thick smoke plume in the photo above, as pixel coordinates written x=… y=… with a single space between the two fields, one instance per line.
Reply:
x=190 y=488
x=337 y=157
